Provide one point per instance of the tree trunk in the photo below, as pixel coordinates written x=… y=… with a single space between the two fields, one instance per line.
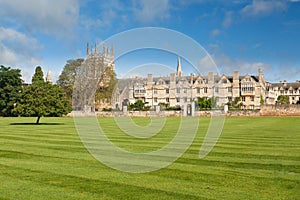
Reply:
x=38 y=120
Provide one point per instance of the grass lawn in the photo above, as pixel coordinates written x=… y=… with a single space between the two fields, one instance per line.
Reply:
x=255 y=158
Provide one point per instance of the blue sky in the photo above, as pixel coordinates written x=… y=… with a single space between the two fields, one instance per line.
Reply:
x=241 y=35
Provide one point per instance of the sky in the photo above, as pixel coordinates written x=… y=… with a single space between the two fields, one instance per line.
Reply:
x=241 y=35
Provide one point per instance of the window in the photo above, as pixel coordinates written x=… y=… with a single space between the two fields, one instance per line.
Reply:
x=155 y=100
x=251 y=107
x=184 y=90
x=205 y=90
x=177 y=90
x=216 y=89
x=224 y=81
x=155 y=91
x=230 y=99
x=185 y=99
x=252 y=98
x=177 y=100
x=291 y=91
x=198 y=90
x=229 y=89
x=167 y=91
x=167 y=100
x=243 y=98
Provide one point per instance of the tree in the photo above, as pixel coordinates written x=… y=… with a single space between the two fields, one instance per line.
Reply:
x=108 y=82
x=10 y=88
x=262 y=101
x=67 y=77
x=236 y=103
x=282 y=99
x=139 y=105
x=42 y=99
x=206 y=103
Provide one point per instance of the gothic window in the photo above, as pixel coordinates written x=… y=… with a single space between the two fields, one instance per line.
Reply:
x=177 y=90
x=224 y=81
x=205 y=90
x=167 y=100
x=229 y=89
x=155 y=100
x=198 y=90
x=167 y=91
x=155 y=91
x=216 y=89
x=230 y=99
x=243 y=98
x=252 y=98
x=184 y=90
x=177 y=100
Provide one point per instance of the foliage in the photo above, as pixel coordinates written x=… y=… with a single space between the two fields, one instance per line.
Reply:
x=174 y=108
x=10 y=87
x=67 y=77
x=163 y=106
x=235 y=104
x=262 y=101
x=42 y=99
x=108 y=82
x=139 y=105
x=282 y=99
x=205 y=104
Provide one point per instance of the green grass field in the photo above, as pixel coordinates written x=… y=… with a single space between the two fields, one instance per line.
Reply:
x=255 y=158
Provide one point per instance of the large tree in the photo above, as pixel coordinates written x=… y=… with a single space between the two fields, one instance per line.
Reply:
x=67 y=77
x=42 y=99
x=10 y=88
x=282 y=99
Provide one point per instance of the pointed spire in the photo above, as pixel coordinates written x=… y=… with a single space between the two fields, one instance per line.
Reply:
x=179 y=72
x=87 y=48
x=112 y=51
x=48 y=76
x=104 y=49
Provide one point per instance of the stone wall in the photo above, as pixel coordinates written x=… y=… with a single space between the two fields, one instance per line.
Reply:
x=280 y=110
x=269 y=110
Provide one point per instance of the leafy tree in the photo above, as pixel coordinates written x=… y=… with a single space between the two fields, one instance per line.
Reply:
x=206 y=103
x=67 y=77
x=282 y=99
x=10 y=88
x=262 y=101
x=236 y=103
x=107 y=86
x=139 y=105
x=42 y=99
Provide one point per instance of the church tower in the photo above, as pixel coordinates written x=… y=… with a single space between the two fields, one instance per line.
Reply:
x=178 y=72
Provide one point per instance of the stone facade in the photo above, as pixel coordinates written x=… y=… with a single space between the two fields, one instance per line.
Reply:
x=176 y=90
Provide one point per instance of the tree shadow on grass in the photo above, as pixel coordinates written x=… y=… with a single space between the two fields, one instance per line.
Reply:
x=36 y=123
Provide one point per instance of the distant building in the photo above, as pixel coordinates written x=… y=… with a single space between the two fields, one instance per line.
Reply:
x=176 y=90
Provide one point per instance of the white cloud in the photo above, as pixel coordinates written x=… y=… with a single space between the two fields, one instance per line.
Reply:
x=226 y=65
x=215 y=32
x=148 y=11
x=227 y=19
x=262 y=7
x=50 y=17
x=18 y=50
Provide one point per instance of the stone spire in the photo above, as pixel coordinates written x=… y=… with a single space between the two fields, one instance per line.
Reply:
x=87 y=49
x=179 y=72
x=48 y=77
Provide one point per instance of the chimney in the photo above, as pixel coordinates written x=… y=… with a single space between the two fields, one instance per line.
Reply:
x=284 y=83
x=150 y=79
x=192 y=78
x=210 y=78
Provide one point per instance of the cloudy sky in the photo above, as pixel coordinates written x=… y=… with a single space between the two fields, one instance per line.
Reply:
x=239 y=35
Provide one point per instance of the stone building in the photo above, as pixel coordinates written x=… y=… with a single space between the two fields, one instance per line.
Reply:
x=176 y=90
x=98 y=70
x=292 y=90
